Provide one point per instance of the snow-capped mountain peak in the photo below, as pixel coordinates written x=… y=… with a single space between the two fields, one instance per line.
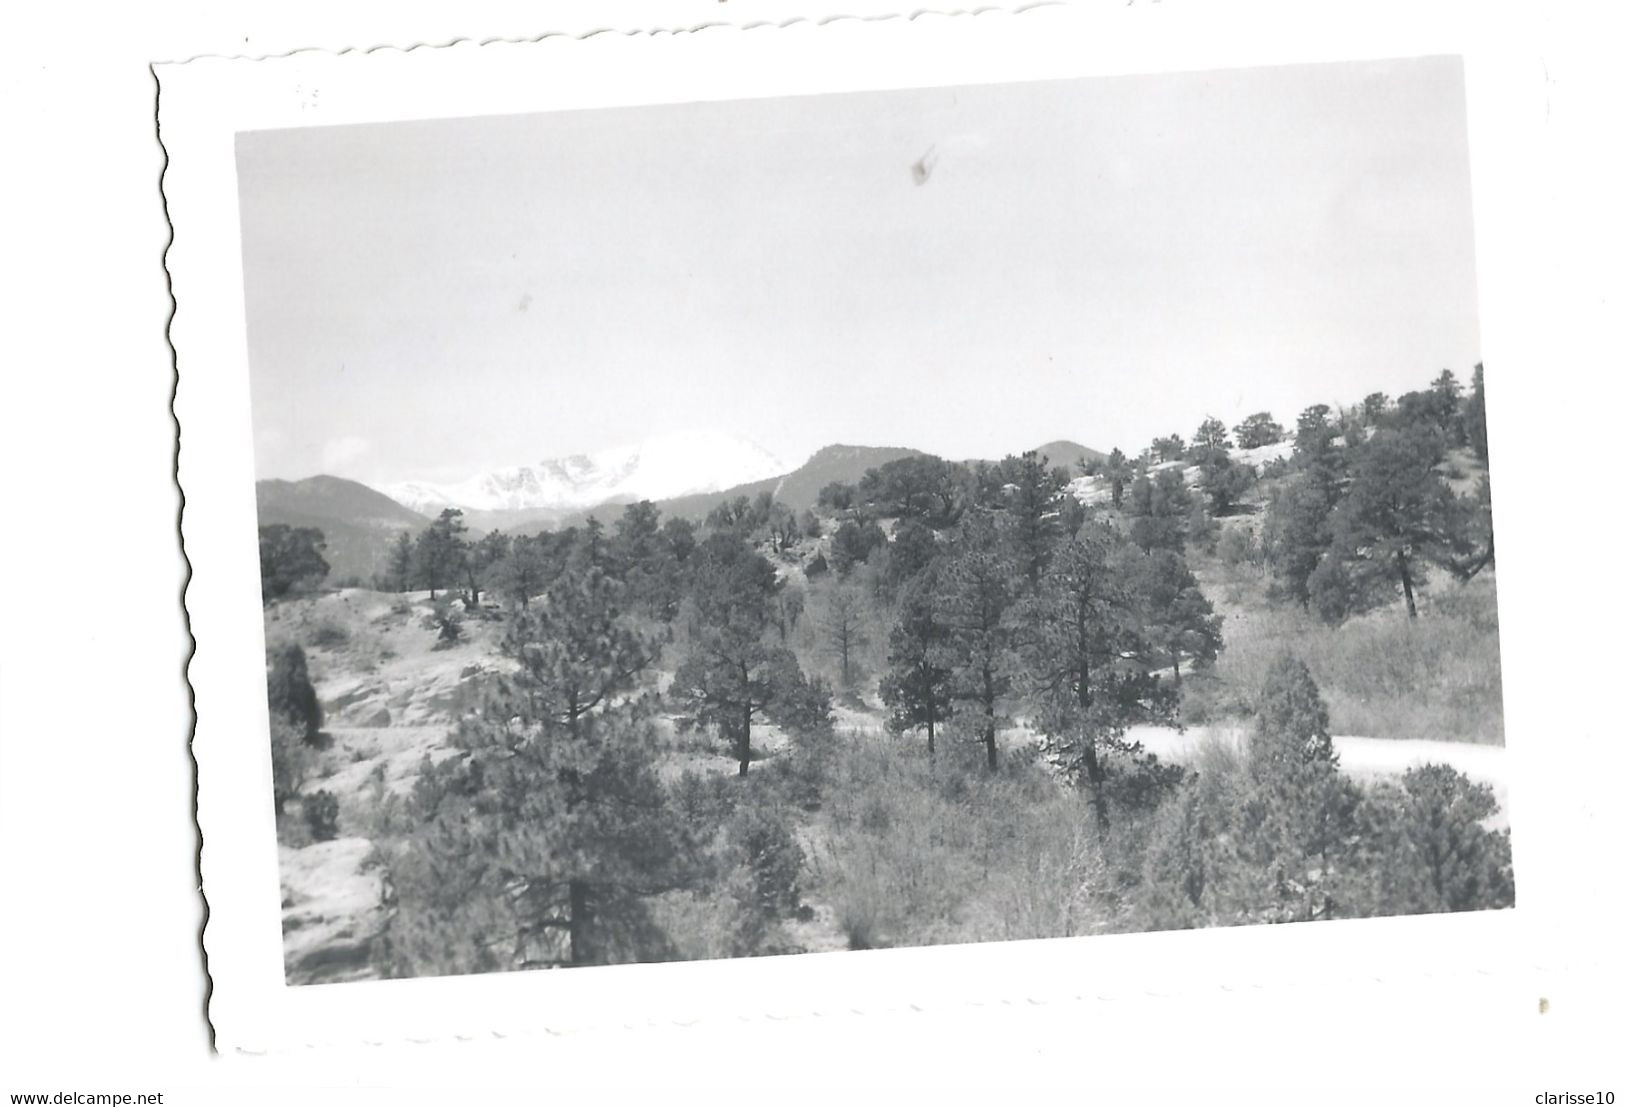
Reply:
x=657 y=468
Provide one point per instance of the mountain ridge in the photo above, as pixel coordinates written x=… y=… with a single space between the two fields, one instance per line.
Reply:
x=361 y=523
x=658 y=468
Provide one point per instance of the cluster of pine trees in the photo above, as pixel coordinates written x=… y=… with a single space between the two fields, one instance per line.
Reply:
x=976 y=597
x=1369 y=511
x=1278 y=833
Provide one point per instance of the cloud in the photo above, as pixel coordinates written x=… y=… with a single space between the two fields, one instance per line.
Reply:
x=337 y=453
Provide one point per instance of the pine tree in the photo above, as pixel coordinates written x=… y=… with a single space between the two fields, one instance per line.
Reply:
x=783 y=530
x=548 y=829
x=400 y=563
x=1224 y=481
x=918 y=687
x=976 y=598
x=1298 y=824
x=921 y=487
x=1258 y=429
x=1428 y=849
x=1446 y=390
x=844 y=623
x=290 y=558
x=1161 y=510
x=1171 y=448
x=1117 y=475
x=733 y=671
x=643 y=557
x=1398 y=514
x=1210 y=442
x=1473 y=420
x=913 y=547
x=1178 y=618
x=852 y=544
x=1299 y=521
x=1087 y=660
x=526 y=570
x=480 y=558
x=441 y=550
x=1031 y=493
x=1315 y=431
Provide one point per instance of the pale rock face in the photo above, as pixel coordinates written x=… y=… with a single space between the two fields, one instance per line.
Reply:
x=333 y=911
x=657 y=469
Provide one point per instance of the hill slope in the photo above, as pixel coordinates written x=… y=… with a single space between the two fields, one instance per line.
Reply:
x=1071 y=454
x=797 y=490
x=360 y=524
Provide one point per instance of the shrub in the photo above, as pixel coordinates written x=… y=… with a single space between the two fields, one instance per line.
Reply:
x=704 y=800
x=447 y=620
x=290 y=693
x=1429 y=849
x=765 y=844
x=1381 y=674
x=291 y=760
x=1236 y=546
x=803 y=706
x=321 y=811
x=1333 y=594
x=1292 y=718
x=330 y=633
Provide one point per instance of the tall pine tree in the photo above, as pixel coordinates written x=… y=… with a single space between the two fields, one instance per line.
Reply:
x=918 y=687
x=540 y=840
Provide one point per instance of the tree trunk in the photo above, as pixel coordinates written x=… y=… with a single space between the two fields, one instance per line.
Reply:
x=1091 y=761
x=1405 y=582
x=989 y=736
x=743 y=737
x=930 y=737
x=1175 y=654
x=1096 y=775
x=581 y=951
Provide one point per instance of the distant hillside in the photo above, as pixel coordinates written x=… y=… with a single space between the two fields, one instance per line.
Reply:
x=1070 y=454
x=359 y=523
x=1060 y=452
x=833 y=463
x=797 y=490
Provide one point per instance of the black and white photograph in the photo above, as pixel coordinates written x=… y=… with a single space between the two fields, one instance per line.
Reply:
x=811 y=551
x=874 y=519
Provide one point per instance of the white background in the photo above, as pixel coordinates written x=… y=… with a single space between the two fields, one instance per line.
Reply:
x=101 y=984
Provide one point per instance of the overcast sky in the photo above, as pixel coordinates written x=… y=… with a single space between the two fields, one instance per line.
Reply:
x=1103 y=260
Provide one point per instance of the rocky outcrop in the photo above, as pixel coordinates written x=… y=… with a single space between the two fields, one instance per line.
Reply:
x=333 y=911
x=428 y=695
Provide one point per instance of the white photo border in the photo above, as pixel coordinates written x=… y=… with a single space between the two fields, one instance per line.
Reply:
x=205 y=103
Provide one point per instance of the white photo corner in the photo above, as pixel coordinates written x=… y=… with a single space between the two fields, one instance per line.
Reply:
x=849 y=517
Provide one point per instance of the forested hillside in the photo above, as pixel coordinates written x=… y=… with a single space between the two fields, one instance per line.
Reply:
x=912 y=706
x=356 y=522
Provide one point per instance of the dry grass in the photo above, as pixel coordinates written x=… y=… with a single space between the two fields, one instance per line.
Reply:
x=914 y=853
x=1382 y=675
